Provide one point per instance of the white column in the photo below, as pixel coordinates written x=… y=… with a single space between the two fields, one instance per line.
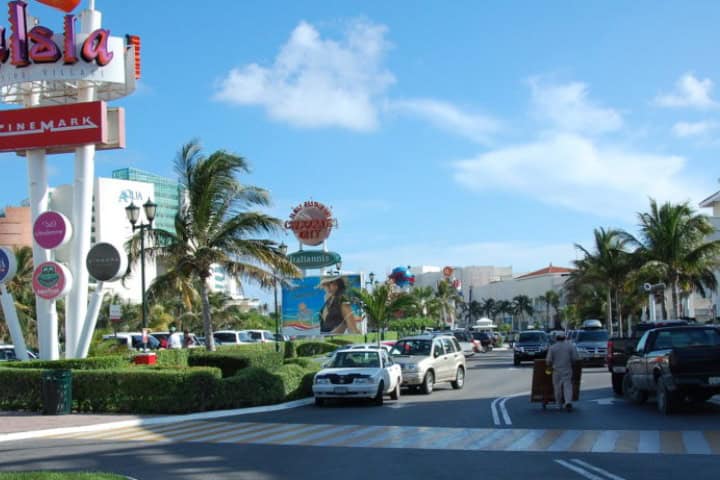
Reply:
x=47 y=324
x=8 y=305
x=76 y=309
x=90 y=321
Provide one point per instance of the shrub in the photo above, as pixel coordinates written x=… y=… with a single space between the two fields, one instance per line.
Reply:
x=289 y=350
x=310 y=349
x=21 y=389
x=232 y=361
x=173 y=358
x=339 y=341
x=91 y=363
x=304 y=362
x=251 y=386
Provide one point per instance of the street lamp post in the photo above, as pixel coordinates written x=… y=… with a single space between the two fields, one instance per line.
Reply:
x=133 y=215
x=283 y=250
x=368 y=285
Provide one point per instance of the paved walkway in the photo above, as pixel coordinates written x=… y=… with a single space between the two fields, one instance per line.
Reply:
x=15 y=422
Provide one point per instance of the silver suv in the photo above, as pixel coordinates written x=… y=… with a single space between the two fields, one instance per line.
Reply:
x=429 y=359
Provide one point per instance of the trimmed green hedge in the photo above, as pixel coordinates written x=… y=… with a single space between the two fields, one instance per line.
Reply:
x=304 y=362
x=310 y=349
x=173 y=357
x=230 y=362
x=289 y=350
x=21 y=388
x=339 y=341
x=90 y=363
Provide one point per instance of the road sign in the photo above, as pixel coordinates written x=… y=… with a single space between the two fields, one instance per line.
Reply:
x=115 y=313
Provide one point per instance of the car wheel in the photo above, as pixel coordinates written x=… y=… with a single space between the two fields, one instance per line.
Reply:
x=516 y=361
x=459 y=381
x=667 y=401
x=631 y=393
x=617 y=384
x=395 y=394
x=428 y=383
x=319 y=402
x=378 y=400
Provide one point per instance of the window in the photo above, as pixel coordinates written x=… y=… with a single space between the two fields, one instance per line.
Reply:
x=439 y=350
x=448 y=344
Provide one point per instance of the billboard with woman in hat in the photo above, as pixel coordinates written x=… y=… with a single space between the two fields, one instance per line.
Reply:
x=321 y=306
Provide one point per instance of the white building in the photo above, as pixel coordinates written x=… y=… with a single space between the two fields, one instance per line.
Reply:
x=469 y=279
x=713 y=305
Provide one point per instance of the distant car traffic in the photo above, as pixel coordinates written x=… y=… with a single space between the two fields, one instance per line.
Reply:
x=7 y=354
x=231 y=337
x=358 y=373
x=591 y=346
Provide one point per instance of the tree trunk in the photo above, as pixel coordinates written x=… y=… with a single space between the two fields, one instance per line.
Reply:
x=608 y=308
x=675 y=297
x=618 y=309
x=207 y=321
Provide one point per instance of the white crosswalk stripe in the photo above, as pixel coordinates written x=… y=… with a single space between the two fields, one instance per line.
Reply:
x=690 y=442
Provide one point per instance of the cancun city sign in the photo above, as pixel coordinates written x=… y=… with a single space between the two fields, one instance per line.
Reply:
x=39 y=54
x=311 y=222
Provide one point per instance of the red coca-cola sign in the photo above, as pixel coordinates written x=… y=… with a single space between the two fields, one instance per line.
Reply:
x=47 y=127
x=311 y=222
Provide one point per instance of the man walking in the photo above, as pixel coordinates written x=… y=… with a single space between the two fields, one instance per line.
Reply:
x=561 y=357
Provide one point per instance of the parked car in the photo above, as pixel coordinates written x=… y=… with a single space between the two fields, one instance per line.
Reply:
x=591 y=346
x=469 y=345
x=530 y=344
x=134 y=340
x=231 y=337
x=281 y=338
x=677 y=363
x=7 y=354
x=259 y=336
x=355 y=346
x=618 y=349
x=358 y=373
x=426 y=360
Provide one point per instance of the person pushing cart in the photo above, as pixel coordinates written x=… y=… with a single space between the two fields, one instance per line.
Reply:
x=562 y=366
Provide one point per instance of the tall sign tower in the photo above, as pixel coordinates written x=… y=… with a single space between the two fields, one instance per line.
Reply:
x=60 y=79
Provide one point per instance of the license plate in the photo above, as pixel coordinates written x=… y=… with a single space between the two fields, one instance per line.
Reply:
x=619 y=370
x=714 y=380
x=340 y=390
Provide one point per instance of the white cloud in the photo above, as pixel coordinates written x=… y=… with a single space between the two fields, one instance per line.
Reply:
x=693 y=129
x=575 y=172
x=448 y=117
x=689 y=92
x=318 y=82
x=569 y=109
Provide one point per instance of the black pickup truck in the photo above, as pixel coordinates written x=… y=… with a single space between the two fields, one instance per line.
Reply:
x=617 y=349
x=678 y=363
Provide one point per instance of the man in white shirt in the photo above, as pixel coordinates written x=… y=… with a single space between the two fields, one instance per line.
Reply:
x=561 y=357
x=175 y=340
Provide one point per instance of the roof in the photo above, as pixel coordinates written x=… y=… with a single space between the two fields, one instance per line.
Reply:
x=712 y=199
x=546 y=271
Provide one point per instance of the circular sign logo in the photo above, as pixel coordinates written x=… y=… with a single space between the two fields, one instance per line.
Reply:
x=52 y=230
x=311 y=222
x=51 y=280
x=8 y=265
x=447 y=271
x=105 y=262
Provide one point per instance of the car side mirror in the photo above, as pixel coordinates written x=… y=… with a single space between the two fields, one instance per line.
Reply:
x=436 y=353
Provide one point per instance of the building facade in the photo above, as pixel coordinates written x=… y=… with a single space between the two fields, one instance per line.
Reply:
x=16 y=227
x=712 y=307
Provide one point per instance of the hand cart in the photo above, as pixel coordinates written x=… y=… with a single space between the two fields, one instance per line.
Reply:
x=542 y=385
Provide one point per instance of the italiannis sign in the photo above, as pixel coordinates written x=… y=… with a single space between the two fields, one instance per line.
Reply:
x=308 y=259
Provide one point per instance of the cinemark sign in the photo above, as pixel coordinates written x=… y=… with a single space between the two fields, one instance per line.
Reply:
x=47 y=127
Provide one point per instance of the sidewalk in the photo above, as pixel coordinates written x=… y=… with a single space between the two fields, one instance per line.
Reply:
x=25 y=425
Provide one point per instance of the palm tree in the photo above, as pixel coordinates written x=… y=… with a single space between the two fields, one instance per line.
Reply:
x=215 y=226
x=522 y=305
x=447 y=296
x=673 y=241
x=552 y=299
x=607 y=266
x=382 y=304
x=504 y=307
x=488 y=307
x=20 y=287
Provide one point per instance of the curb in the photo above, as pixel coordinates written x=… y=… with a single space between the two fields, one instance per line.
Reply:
x=10 y=437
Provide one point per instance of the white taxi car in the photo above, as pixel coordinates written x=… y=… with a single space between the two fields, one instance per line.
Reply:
x=358 y=373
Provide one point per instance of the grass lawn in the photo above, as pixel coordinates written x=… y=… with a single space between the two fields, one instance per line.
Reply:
x=59 y=476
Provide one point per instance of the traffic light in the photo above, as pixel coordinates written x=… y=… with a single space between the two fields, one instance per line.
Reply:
x=134 y=41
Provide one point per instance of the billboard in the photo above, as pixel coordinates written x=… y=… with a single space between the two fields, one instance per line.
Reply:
x=321 y=306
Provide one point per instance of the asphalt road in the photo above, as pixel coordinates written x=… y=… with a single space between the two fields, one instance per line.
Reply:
x=489 y=429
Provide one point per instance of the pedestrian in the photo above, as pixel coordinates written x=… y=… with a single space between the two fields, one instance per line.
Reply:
x=560 y=357
x=187 y=339
x=175 y=340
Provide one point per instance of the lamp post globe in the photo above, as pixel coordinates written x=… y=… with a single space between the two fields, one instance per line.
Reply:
x=132 y=212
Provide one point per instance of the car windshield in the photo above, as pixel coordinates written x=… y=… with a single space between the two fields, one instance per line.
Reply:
x=592 y=336
x=356 y=359
x=532 y=337
x=682 y=338
x=412 y=347
x=255 y=336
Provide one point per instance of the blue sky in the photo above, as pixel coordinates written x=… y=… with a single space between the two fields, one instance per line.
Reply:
x=441 y=133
